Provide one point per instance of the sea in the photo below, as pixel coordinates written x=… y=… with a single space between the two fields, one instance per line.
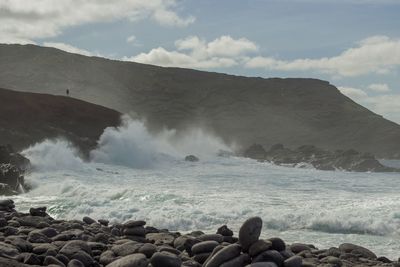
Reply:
x=136 y=174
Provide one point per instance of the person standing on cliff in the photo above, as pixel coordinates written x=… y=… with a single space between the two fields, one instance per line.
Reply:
x=67 y=92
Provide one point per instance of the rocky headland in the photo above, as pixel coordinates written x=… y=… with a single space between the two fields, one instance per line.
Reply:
x=346 y=160
x=37 y=239
x=242 y=110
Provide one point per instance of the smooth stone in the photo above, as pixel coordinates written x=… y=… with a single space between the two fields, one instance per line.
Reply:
x=332 y=260
x=211 y=237
x=299 y=247
x=126 y=248
x=43 y=248
x=83 y=257
x=40 y=211
x=107 y=257
x=191 y=263
x=74 y=246
x=138 y=231
x=132 y=223
x=202 y=257
x=383 y=259
x=168 y=249
x=103 y=222
x=165 y=259
x=262 y=264
x=88 y=220
x=225 y=254
x=8 y=250
x=259 y=246
x=270 y=255
x=38 y=237
x=351 y=248
x=224 y=231
x=250 y=232
x=49 y=232
x=148 y=249
x=161 y=238
x=62 y=258
x=52 y=260
x=134 y=260
x=75 y=263
x=295 y=261
x=241 y=260
x=32 y=259
x=277 y=244
x=21 y=244
x=205 y=246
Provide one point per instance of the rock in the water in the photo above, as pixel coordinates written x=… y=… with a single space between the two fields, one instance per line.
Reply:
x=250 y=232
x=191 y=158
x=41 y=211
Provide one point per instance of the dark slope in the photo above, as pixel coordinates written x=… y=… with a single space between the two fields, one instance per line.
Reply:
x=26 y=118
x=239 y=109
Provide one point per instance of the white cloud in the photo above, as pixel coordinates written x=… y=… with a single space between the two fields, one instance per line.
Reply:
x=377 y=54
x=353 y=93
x=25 y=20
x=131 y=39
x=193 y=52
x=68 y=48
x=379 y=87
x=387 y=105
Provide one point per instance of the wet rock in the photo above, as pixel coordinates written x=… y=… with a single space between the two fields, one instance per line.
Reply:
x=40 y=211
x=211 y=237
x=136 y=231
x=250 y=232
x=241 y=260
x=191 y=158
x=8 y=250
x=32 y=259
x=161 y=238
x=38 y=237
x=133 y=223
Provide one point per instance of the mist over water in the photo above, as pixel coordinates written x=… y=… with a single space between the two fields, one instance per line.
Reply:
x=134 y=174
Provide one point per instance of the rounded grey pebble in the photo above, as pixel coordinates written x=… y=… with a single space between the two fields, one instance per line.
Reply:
x=137 y=260
x=250 y=232
x=262 y=264
x=270 y=255
x=277 y=244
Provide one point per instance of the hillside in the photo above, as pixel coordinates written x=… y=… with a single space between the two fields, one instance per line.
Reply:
x=26 y=118
x=244 y=110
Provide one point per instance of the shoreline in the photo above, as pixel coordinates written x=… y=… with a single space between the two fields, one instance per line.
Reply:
x=37 y=239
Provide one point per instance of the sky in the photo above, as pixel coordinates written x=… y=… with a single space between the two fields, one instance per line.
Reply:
x=354 y=44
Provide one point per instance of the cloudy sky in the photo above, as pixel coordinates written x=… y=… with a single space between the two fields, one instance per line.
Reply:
x=355 y=44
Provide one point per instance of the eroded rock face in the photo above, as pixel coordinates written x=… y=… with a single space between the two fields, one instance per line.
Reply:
x=12 y=169
x=347 y=160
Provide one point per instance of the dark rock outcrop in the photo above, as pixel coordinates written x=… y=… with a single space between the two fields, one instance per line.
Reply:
x=191 y=158
x=12 y=169
x=347 y=160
